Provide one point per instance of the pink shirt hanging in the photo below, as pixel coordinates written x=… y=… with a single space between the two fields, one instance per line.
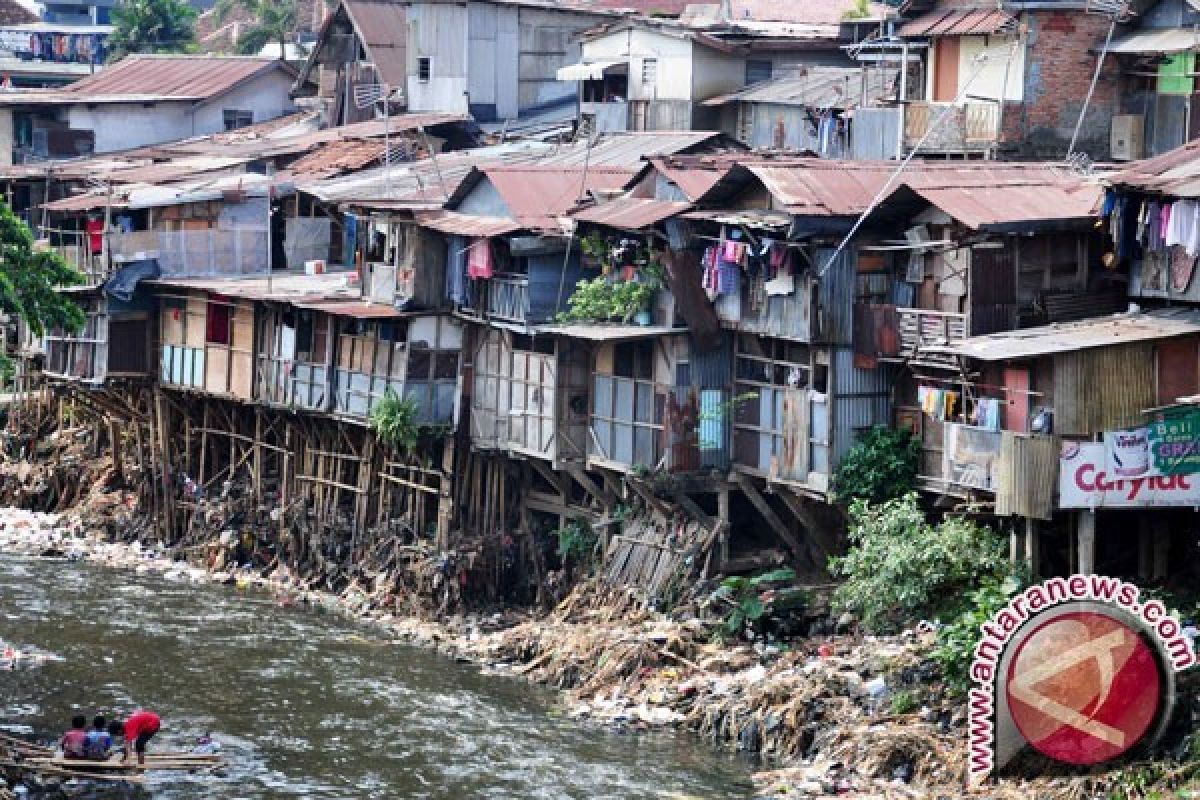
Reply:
x=479 y=259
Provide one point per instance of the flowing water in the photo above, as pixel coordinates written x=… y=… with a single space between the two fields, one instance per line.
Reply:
x=309 y=704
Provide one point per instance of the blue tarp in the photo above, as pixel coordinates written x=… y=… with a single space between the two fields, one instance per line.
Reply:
x=124 y=283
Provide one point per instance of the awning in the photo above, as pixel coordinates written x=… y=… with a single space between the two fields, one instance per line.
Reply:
x=593 y=71
x=85 y=202
x=750 y=218
x=344 y=308
x=630 y=213
x=998 y=207
x=1110 y=331
x=466 y=225
x=607 y=333
x=959 y=22
x=1167 y=40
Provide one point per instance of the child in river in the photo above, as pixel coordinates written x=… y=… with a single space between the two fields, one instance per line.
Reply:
x=99 y=740
x=74 y=741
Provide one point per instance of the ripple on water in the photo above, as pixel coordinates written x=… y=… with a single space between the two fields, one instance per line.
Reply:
x=310 y=705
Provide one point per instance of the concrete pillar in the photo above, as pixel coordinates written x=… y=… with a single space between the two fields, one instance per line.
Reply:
x=1145 y=549
x=1085 y=537
x=1162 y=553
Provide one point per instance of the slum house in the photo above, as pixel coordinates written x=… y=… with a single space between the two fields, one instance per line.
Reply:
x=982 y=82
x=1014 y=249
x=649 y=74
x=1155 y=62
x=811 y=110
x=493 y=59
x=361 y=44
x=1106 y=447
x=145 y=99
x=36 y=54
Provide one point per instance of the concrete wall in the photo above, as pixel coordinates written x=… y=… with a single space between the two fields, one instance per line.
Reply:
x=715 y=73
x=1002 y=74
x=484 y=201
x=548 y=42
x=119 y=126
x=492 y=59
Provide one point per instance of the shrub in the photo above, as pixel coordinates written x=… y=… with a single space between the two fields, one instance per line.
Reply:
x=961 y=633
x=744 y=599
x=900 y=568
x=882 y=465
x=394 y=421
x=576 y=542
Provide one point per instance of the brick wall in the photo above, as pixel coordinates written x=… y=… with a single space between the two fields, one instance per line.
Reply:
x=1059 y=63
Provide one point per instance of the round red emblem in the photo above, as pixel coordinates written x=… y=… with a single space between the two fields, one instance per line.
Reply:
x=1083 y=687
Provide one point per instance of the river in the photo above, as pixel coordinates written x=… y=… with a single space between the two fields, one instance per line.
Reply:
x=312 y=705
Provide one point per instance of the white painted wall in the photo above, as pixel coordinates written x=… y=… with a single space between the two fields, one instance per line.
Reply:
x=548 y=41
x=439 y=32
x=674 y=56
x=119 y=126
x=1002 y=58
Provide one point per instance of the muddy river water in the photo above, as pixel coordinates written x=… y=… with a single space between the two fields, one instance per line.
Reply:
x=309 y=704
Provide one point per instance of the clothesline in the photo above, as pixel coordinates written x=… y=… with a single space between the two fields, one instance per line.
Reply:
x=974 y=385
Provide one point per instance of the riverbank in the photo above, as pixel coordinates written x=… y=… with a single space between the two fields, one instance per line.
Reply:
x=834 y=715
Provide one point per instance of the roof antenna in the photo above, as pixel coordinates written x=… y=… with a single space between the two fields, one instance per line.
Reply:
x=1117 y=11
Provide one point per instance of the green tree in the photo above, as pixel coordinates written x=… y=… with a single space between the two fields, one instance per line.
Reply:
x=882 y=465
x=272 y=21
x=152 y=26
x=30 y=278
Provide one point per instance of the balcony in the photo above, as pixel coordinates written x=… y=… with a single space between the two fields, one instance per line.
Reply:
x=504 y=297
x=203 y=253
x=968 y=128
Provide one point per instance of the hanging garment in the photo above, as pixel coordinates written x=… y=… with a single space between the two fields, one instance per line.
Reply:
x=950 y=401
x=778 y=254
x=95 y=232
x=479 y=259
x=1154 y=270
x=1183 y=265
x=456 y=270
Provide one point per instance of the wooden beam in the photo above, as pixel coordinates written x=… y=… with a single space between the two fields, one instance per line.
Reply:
x=816 y=531
x=603 y=495
x=551 y=477
x=769 y=515
x=648 y=496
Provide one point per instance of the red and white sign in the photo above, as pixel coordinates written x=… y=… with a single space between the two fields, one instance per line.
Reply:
x=1085 y=480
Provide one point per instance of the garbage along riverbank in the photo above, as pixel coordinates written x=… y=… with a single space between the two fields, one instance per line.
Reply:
x=835 y=715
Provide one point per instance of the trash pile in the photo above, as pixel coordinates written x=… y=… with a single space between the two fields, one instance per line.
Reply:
x=14 y=656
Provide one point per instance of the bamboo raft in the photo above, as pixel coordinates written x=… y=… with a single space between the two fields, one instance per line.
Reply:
x=17 y=754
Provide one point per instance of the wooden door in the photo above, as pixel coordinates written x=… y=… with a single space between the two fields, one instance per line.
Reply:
x=945 y=69
x=1016 y=410
x=1178 y=365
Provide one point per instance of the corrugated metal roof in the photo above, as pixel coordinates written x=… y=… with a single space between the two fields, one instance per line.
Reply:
x=695 y=180
x=1118 y=329
x=465 y=224
x=1165 y=40
x=818 y=87
x=630 y=213
x=824 y=187
x=13 y=13
x=144 y=78
x=537 y=196
x=959 y=22
x=988 y=206
x=287 y=287
x=384 y=32
x=337 y=158
x=805 y=12
x=1175 y=173
x=632 y=148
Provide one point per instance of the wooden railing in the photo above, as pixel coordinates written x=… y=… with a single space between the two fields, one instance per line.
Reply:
x=971 y=126
x=506 y=297
x=922 y=330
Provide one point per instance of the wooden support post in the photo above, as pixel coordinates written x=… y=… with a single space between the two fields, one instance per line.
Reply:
x=114 y=435
x=258 y=459
x=768 y=514
x=818 y=534
x=1086 y=538
x=445 y=511
x=1033 y=550
x=723 y=516
x=1162 y=553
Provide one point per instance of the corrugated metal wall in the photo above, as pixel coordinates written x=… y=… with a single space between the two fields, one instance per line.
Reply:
x=711 y=375
x=1102 y=388
x=835 y=298
x=875 y=133
x=860 y=398
x=1027 y=474
x=552 y=279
